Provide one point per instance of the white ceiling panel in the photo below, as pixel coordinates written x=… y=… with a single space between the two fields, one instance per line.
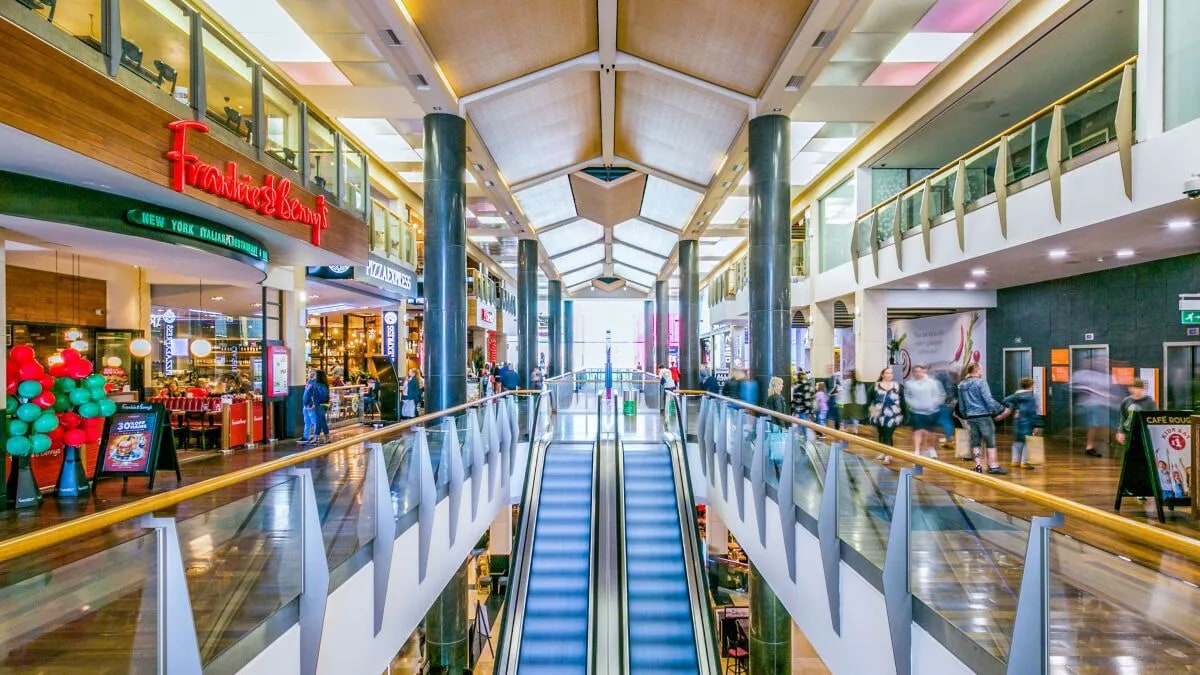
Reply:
x=646 y=236
x=569 y=236
x=667 y=203
x=549 y=203
x=707 y=266
x=584 y=274
x=719 y=248
x=635 y=275
x=576 y=259
x=731 y=211
x=639 y=259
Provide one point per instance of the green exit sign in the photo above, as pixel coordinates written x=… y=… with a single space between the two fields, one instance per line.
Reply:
x=1189 y=317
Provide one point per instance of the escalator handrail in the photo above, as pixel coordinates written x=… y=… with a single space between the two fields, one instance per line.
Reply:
x=707 y=653
x=594 y=550
x=622 y=567
x=509 y=643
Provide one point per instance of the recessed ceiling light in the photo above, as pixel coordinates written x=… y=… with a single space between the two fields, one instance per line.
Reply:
x=925 y=47
x=1179 y=224
x=313 y=296
x=477 y=167
x=218 y=298
x=979 y=272
x=489 y=183
x=969 y=285
x=1058 y=253
x=1125 y=253
x=923 y=285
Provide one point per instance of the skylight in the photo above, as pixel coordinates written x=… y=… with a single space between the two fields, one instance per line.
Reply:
x=634 y=275
x=731 y=211
x=925 y=47
x=576 y=259
x=584 y=274
x=668 y=203
x=639 y=259
x=267 y=26
x=381 y=138
x=569 y=236
x=646 y=236
x=549 y=203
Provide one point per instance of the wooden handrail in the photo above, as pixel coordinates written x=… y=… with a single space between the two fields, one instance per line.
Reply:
x=84 y=525
x=1145 y=534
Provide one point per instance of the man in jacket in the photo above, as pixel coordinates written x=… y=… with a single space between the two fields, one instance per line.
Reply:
x=977 y=406
x=925 y=397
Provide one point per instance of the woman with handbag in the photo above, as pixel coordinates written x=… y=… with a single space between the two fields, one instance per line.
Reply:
x=886 y=411
x=775 y=435
x=316 y=401
x=411 y=395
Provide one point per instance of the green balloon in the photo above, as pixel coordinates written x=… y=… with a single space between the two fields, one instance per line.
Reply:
x=40 y=443
x=18 y=427
x=80 y=396
x=62 y=404
x=64 y=384
x=89 y=410
x=98 y=393
x=28 y=412
x=107 y=408
x=18 y=446
x=11 y=404
x=46 y=423
x=95 y=380
x=29 y=388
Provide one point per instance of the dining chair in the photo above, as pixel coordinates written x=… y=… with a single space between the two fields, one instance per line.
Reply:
x=166 y=74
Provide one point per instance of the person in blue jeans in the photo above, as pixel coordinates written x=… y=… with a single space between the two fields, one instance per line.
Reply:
x=977 y=406
x=316 y=398
x=306 y=413
x=1024 y=402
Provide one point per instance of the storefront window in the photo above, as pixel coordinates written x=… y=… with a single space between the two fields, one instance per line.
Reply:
x=322 y=171
x=379 y=219
x=1181 y=58
x=209 y=350
x=837 y=222
x=340 y=345
x=228 y=86
x=396 y=242
x=283 y=124
x=80 y=18
x=354 y=178
x=156 y=44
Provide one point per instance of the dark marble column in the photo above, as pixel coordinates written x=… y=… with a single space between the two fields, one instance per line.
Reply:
x=554 y=300
x=527 y=309
x=689 y=314
x=568 y=333
x=770 y=249
x=648 y=347
x=445 y=262
x=446 y=628
x=770 y=629
x=662 y=338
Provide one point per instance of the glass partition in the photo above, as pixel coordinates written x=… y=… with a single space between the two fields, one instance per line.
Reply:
x=156 y=44
x=354 y=178
x=1090 y=119
x=322 y=151
x=836 y=218
x=79 y=18
x=282 y=115
x=228 y=86
x=1181 y=62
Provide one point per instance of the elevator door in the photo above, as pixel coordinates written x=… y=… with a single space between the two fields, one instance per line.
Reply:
x=1018 y=363
x=1091 y=396
x=1181 y=361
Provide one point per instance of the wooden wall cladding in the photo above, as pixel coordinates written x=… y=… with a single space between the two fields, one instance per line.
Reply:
x=48 y=94
x=37 y=296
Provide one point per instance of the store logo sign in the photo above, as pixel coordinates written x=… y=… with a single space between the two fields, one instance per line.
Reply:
x=391 y=275
x=206 y=233
x=269 y=199
x=391 y=335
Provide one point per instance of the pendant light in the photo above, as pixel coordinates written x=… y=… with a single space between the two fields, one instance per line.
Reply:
x=75 y=335
x=200 y=347
x=140 y=347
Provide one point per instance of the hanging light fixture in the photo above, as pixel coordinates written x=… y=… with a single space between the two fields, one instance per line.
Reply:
x=140 y=347
x=200 y=347
x=80 y=345
x=75 y=335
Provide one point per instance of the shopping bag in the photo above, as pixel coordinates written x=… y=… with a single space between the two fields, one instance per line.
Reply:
x=1035 y=449
x=775 y=445
x=408 y=408
x=962 y=444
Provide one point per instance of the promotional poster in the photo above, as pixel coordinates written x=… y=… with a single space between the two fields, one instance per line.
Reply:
x=128 y=445
x=948 y=343
x=1170 y=436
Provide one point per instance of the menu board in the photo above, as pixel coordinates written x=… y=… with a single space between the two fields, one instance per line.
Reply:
x=1158 y=460
x=137 y=441
x=278 y=363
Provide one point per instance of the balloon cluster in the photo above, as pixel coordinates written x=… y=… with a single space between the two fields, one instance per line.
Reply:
x=48 y=410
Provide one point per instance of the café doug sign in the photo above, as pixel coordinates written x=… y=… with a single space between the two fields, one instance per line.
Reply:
x=271 y=198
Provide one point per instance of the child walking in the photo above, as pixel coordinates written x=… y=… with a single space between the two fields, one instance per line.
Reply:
x=821 y=403
x=1025 y=405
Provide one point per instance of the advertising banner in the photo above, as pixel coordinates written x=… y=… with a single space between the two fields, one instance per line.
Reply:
x=947 y=344
x=391 y=336
x=1158 y=460
x=278 y=363
x=137 y=441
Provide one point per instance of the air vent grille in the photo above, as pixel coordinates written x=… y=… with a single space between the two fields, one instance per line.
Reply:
x=419 y=81
x=824 y=38
x=390 y=38
x=794 y=83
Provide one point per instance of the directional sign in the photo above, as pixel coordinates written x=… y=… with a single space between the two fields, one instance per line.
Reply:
x=1189 y=317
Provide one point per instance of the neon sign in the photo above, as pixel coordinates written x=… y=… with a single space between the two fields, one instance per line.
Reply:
x=269 y=199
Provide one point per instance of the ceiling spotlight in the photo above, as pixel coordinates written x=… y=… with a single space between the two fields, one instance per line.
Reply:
x=218 y=298
x=1125 y=253
x=509 y=212
x=313 y=296
x=726 y=183
x=489 y=183
x=969 y=285
x=1058 y=253
x=707 y=213
x=477 y=167
x=437 y=107
x=777 y=109
x=1179 y=224
x=923 y=285
x=737 y=168
x=979 y=272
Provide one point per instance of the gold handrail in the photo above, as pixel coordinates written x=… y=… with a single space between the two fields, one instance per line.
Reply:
x=1077 y=92
x=1145 y=534
x=62 y=532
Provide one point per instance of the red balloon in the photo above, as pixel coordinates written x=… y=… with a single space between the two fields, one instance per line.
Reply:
x=45 y=399
x=75 y=437
x=21 y=354
x=70 y=355
x=11 y=367
x=92 y=435
x=56 y=433
x=93 y=423
x=12 y=387
x=47 y=382
x=57 y=443
x=58 y=369
x=30 y=370
x=70 y=420
x=79 y=368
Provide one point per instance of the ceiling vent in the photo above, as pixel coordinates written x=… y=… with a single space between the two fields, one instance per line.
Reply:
x=390 y=38
x=794 y=83
x=824 y=38
x=608 y=173
x=419 y=82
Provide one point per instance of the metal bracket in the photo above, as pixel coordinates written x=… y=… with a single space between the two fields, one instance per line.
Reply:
x=897 y=596
x=827 y=535
x=178 y=649
x=316 y=571
x=739 y=465
x=426 y=501
x=384 y=543
x=491 y=437
x=785 y=500
x=758 y=483
x=451 y=470
x=1029 y=651
x=475 y=445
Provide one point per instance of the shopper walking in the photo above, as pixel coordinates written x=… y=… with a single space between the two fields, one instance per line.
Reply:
x=775 y=401
x=925 y=397
x=886 y=411
x=411 y=396
x=802 y=396
x=976 y=405
x=1024 y=404
x=316 y=399
x=855 y=408
x=821 y=404
x=1136 y=401
x=307 y=413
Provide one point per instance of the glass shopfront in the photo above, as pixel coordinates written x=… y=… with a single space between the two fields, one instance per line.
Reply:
x=208 y=350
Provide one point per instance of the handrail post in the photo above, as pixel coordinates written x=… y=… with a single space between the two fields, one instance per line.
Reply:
x=450 y=472
x=1029 y=651
x=475 y=446
x=178 y=650
x=493 y=448
x=785 y=499
x=315 y=575
x=739 y=464
x=827 y=536
x=758 y=482
x=384 y=543
x=422 y=476
x=897 y=595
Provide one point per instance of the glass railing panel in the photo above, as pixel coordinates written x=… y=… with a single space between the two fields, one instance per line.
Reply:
x=966 y=564
x=866 y=495
x=1110 y=615
x=941 y=194
x=863 y=245
x=243 y=563
x=1090 y=119
x=399 y=456
x=101 y=609
x=810 y=455
x=775 y=441
x=342 y=494
x=887 y=222
x=981 y=174
x=910 y=211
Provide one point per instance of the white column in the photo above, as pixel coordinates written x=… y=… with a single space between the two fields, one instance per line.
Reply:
x=501 y=533
x=294 y=326
x=870 y=333
x=1149 y=70
x=716 y=535
x=820 y=328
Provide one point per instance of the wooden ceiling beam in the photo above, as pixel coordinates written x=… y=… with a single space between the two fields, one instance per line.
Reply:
x=589 y=61
x=606 y=14
x=551 y=175
x=659 y=173
x=630 y=63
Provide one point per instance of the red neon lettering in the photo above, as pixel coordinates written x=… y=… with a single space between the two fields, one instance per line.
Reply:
x=269 y=199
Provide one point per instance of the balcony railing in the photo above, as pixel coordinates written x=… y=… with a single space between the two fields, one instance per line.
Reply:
x=392 y=236
x=1094 y=115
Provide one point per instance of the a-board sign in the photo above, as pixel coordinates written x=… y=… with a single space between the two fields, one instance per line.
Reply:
x=1158 y=460
x=137 y=441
